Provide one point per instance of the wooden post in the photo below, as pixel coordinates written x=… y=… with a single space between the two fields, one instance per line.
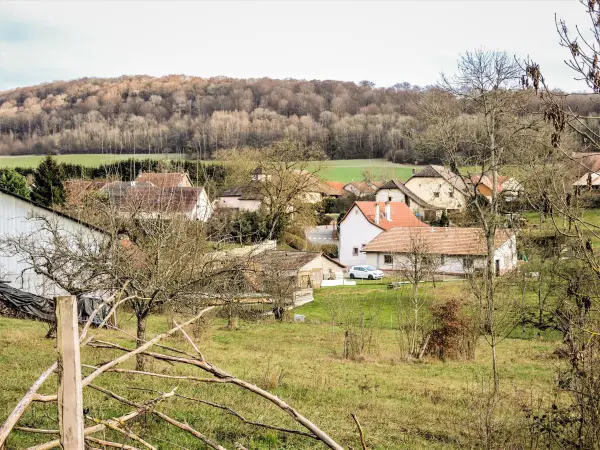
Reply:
x=70 y=395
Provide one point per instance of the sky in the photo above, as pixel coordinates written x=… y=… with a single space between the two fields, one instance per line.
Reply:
x=385 y=42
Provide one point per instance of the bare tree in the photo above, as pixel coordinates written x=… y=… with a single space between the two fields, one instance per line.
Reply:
x=489 y=82
x=417 y=265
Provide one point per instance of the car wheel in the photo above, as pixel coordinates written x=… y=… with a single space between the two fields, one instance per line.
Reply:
x=352 y=276
x=370 y=277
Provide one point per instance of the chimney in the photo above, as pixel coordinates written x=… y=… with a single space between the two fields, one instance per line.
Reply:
x=388 y=211
x=414 y=171
x=377 y=213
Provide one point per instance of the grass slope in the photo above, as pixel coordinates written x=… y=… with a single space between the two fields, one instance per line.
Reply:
x=91 y=160
x=353 y=169
x=401 y=405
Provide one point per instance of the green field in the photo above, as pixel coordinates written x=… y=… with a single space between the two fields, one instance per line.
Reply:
x=339 y=170
x=401 y=404
x=84 y=160
x=353 y=170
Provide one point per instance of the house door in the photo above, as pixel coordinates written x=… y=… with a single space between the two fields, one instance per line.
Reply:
x=497 y=267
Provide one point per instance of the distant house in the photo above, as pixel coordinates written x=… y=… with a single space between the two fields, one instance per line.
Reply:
x=336 y=188
x=305 y=269
x=77 y=190
x=396 y=191
x=506 y=187
x=243 y=198
x=589 y=181
x=366 y=220
x=165 y=180
x=250 y=196
x=455 y=250
x=362 y=188
x=439 y=187
x=144 y=199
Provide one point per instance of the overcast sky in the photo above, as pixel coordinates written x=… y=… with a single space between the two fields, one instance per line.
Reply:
x=385 y=42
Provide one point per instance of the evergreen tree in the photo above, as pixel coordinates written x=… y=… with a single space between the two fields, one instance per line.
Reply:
x=48 y=188
x=12 y=181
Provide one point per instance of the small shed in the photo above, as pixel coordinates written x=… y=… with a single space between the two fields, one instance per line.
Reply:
x=308 y=268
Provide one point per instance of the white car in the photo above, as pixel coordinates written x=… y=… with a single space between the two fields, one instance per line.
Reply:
x=366 y=272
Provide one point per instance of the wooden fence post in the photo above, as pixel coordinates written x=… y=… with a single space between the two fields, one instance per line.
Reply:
x=70 y=395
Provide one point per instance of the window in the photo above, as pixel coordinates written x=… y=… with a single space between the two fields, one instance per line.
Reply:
x=451 y=194
x=436 y=194
x=356 y=211
x=389 y=198
x=467 y=263
x=387 y=259
x=442 y=259
x=355 y=251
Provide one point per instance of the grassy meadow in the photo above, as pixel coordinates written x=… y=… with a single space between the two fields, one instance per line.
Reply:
x=339 y=170
x=91 y=160
x=401 y=404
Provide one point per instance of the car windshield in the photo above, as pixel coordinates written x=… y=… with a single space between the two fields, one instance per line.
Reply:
x=370 y=268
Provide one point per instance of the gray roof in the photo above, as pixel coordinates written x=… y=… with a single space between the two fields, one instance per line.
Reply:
x=435 y=171
x=395 y=184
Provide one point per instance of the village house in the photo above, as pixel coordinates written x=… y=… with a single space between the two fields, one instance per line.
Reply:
x=507 y=188
x=439 y=187
x=366 y=220
x=588 y=182
x=452 y=250
x=144 y=199
x=306 y=269
x=165 y=179
x=396 y=191
x=362 y=189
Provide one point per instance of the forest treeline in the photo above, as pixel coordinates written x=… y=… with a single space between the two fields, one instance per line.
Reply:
x=180 y=114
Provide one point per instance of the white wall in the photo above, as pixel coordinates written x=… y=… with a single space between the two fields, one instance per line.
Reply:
x=204 y=209
x=236 y=203
x=383 y=195
x=14 y=222
x=452 y=264
x=425 y=188
x=355 y=231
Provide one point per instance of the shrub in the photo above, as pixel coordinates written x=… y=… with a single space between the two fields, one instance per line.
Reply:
x=454 y=334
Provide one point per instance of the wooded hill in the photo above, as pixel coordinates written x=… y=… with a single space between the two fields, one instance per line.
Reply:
x=183 y=114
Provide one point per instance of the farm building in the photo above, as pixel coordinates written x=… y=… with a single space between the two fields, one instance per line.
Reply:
x=16 y=220
x=306 y=269
x=450 y=250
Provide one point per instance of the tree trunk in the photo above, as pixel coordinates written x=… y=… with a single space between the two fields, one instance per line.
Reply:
x=141 y=339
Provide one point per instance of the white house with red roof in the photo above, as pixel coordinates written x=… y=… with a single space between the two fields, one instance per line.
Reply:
x=366 y=220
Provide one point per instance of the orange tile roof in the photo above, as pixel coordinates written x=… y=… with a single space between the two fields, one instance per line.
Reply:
x=337 y=185
x=436 y=240
x=401 y=215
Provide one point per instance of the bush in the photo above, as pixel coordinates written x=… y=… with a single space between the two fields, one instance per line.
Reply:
x=330 y=250
x=454 y=335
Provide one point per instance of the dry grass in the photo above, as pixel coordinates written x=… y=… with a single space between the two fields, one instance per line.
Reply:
x=401 y=405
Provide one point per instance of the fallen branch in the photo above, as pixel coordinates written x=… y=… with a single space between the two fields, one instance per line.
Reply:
x=360 y=431
x=115 y=426
x=219 y=373
x=37 y=430
x=182 y=426
x=161 y=375
x=110 y=444
x=99 y=427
